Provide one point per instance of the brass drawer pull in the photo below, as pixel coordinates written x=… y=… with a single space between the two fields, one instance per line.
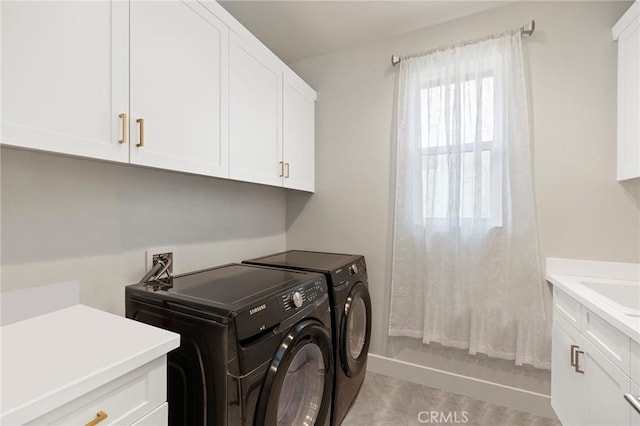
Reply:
x=140 y=122
x=286 y=170
x=99 y=417
x=577 y=366
x=123 y=117
x=281 y=169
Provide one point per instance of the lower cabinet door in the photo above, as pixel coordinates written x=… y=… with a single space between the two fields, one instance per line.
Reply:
x=605 y=387
x=635 y=416
x=119 y=402
x=158 y=417
x=567 y=385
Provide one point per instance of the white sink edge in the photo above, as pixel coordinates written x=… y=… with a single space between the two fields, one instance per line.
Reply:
x=625 y=310
x=627 y=324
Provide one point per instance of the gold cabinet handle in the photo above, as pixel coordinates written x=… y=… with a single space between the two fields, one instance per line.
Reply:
x=577 y=366
x=99 y=417
x=286 y=168
x=573 y=355
x=140 y=122
x=123 y=117
x=281 y=169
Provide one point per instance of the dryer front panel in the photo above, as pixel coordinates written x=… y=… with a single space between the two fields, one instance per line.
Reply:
x=355 y=330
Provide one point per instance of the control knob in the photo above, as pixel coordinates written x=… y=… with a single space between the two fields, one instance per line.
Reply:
x=353 y=269
x=297 y=299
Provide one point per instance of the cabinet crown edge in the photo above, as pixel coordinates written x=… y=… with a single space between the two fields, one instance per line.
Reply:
x=631 y=13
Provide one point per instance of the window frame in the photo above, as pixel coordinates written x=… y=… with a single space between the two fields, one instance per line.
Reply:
x=495 y=218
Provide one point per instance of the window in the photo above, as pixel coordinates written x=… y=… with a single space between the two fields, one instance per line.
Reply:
x=465 y=269
x=460 y=174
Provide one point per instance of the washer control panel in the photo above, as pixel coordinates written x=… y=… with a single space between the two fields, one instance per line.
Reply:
x=350 y=273
x=303 y=295
x=266 y=313
x=353 y=269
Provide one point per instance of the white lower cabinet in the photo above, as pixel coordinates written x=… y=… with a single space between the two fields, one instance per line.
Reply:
x=587 y=387
x=98 y=369
x=125 y=400
x=635 y=416
x=567 y=386
x=158 y=417
x=605 y=387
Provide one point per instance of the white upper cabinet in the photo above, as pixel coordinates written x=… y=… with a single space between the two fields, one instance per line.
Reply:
x=298 y=133
x=255 y=112
x=627 y=33
x=272 y=119
x=177 y=85
x=179 y=88
x=65 y=77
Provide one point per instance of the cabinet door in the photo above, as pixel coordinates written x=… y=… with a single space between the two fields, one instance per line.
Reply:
x=605 y=386
x=629 y=101
x=158 y=417
x=635 y=416
x=255 y=113
x=567 y=386
x=179 y=87
x=298 y=134
x=65 y=69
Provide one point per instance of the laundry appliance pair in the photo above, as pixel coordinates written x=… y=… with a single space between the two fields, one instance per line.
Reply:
x=279 y=340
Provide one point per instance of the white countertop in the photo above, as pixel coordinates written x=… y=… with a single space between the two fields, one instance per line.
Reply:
x=55 y=358
x=567 y=274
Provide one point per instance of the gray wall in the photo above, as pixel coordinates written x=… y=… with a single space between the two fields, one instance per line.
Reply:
x=582 y=211
x=71 y=219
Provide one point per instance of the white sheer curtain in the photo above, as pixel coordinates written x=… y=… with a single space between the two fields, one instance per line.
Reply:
x=466 y=268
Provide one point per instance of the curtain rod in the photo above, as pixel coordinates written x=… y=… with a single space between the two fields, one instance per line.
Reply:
x=524 y=30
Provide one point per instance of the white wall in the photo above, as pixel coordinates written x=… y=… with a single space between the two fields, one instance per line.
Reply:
x=66 y=219
x=582 y=211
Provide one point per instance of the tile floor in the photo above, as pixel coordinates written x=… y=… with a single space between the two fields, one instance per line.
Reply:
x=386 y=401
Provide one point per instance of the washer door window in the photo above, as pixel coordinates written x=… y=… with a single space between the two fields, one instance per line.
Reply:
x=355 y=330
x=297 y=386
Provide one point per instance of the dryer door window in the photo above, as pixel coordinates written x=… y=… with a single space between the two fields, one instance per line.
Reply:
x=297 y=386
x=355 y=331
x=356 y=328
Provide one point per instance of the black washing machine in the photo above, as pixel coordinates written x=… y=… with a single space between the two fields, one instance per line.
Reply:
x=351 y=319
x=255 y=345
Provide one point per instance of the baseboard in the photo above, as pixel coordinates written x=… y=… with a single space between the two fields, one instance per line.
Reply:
x=495 y=393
